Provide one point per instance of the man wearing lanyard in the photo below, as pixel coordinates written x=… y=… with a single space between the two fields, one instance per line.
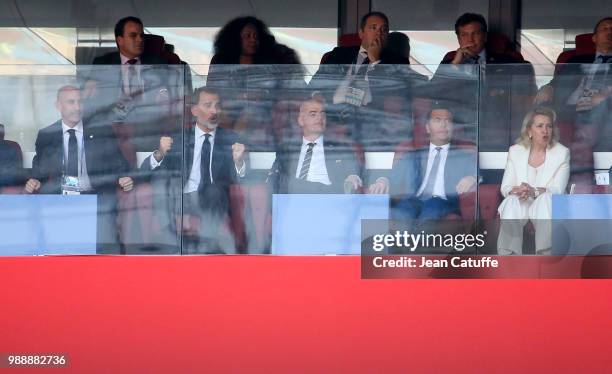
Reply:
x=360 y=81
x=581 y=89
x=486 y=89
x=135 y=87
x=72 y=159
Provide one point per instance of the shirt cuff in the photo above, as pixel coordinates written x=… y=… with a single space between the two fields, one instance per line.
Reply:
x=154 y=163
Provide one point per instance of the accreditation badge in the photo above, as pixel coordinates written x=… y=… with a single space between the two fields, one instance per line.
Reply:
x=70 y=185
x=354 y=96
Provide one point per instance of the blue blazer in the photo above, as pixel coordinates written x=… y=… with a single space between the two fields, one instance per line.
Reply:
x=408 y=172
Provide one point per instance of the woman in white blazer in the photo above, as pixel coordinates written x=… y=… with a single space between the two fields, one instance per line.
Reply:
x=537 y=168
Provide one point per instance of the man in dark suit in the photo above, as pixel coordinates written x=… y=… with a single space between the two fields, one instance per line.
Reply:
x=201 y=172
x=314 y=164
x=317 y=163
x=132 y=88
x=11 y=162
x=581 y=90
x=426 y=183
x=73 y=157
x=495 y=89
x=360 y=82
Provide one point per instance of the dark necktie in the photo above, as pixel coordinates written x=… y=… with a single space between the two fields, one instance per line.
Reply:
x=134 y=86
x=306 y=163
x=72 y=166
x=205 y=161
x=428 y=190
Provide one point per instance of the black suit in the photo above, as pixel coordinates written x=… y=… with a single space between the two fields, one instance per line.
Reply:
x=495 y=97
x=391 y=81
x=104 y=162
x=210 y=203
x=566 y=79
x=593 y=127
x=105 y=166
x=150 y=118
x=11 y=169
x=340 y=162
x=409 y=172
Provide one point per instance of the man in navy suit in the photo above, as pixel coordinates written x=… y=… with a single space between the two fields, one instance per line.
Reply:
x=201 y=171
x=494 y=88
x=315 y=163
x=73 y=157
x=131 y=87
x=426 y=183
x=361 y=82
x=581 y=91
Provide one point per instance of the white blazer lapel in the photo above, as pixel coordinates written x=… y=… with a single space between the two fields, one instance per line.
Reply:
x=522 y=163
x=551 y=165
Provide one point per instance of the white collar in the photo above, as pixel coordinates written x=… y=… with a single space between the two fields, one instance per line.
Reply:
x=124 y=59
x=432 y=147
x=77 y=128
x=482 y=56
x=318 y=140
x=199 y=132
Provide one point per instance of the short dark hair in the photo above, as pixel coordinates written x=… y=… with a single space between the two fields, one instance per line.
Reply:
x=600 y=22
x=199 y=91
x=440 y=105
x=467 y=18
x=120 y=25
x=365 y=17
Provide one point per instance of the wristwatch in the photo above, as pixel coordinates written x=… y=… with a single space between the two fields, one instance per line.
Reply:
x=536 y=193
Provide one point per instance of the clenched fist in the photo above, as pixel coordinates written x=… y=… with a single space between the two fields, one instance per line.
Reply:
x=238 y=154
x=126 y=183
x=165 y=145
x=32 y=185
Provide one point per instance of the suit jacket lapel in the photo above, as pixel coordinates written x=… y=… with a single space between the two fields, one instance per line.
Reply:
x=522 y=164
x=218 y=153
x=328 y=151
x=294 y=150
x=56 y=147
x=189 y=147
x=424 y=156
x=551 y=164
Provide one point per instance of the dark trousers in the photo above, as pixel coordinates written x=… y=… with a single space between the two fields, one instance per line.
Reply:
x=429 y=209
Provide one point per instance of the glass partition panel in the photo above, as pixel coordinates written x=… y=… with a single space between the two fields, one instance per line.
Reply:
x=321 y=155
x=76 y=138
x=538 y=151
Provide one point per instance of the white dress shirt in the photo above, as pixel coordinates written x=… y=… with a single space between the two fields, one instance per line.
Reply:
x=125 y=67
x=317 y=172
x=438 y=189
x=84 y=183
x=194 y=175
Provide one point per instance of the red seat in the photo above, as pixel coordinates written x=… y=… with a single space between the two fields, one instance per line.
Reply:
x=584 y=46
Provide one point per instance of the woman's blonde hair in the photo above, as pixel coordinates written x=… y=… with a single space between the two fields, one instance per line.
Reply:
x=528 y=121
